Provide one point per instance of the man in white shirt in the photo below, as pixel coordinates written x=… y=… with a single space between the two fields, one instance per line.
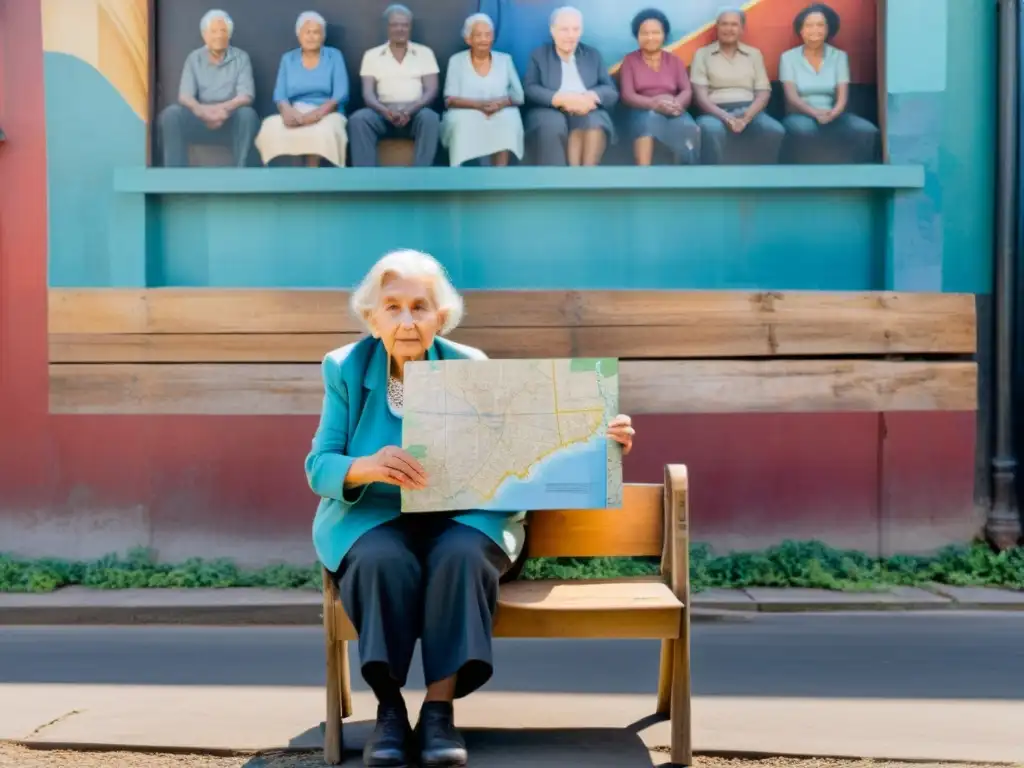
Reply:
x=400 y=81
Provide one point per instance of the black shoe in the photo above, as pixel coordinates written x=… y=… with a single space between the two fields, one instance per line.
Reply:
x=441 y=745
x=388 y=746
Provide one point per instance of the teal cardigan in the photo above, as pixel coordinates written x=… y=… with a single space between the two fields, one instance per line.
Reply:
x=356 y=420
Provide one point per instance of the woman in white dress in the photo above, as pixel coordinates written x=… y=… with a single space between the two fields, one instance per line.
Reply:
x=310 y=95
x=483 y=93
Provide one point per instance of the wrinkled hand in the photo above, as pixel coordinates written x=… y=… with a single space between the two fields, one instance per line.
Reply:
x=393 y=466
x=400 y=119
x=666 y=105
x=291 y=117
x=310 y=118
x=825 y=116
x=620 y=429
x=738 y=124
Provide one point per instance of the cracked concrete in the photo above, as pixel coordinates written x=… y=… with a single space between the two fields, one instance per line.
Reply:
x=39 y=729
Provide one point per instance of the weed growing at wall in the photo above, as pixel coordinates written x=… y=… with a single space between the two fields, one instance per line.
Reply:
x=791 y=564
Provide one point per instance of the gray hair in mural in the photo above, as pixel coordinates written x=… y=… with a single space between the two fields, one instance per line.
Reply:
x=732 y=9
x=472 y=21
x=565 y=10
x=212 y=15
x=397 y=9
x=310 y=16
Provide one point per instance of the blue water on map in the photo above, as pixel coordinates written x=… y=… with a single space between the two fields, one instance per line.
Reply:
x=573 y=478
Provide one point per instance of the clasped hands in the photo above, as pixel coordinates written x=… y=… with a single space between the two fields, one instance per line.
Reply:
x=667 y=105
x=212 y=115
x=393 y=466
x=826 y=116
x=293 y=118
x=577 y=103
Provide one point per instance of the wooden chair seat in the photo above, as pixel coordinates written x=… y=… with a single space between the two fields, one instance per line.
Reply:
x=654 y=520
x=622 y=608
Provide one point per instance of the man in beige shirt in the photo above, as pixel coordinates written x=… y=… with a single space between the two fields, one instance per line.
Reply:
x=731 y=88
x=400 y=81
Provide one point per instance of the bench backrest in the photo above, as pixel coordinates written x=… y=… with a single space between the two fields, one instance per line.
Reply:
x=636 y=530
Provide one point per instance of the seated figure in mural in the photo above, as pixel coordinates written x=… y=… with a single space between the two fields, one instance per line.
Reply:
x=655 y=87
x=816 y=77
x=403 y=578
x=400 y=81
x=483 y=93
x=310 y=95
x=570 y=92
x=732 y=89
x=214 y=98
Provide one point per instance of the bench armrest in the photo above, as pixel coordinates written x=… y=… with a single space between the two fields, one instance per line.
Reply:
x=675 y=556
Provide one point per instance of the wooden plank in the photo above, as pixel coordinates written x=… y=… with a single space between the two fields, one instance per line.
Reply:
x=679 y=386
x=645 y=323
x=633 y=531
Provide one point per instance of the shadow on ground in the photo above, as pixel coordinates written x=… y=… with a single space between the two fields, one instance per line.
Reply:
x=493 y=747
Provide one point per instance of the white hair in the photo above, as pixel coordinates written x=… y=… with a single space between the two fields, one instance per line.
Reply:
x=411 y=265
x=210 y=16
x=472 y=21
x=310 y=16
x=565 y=9
x=397 y=9
x=726 y=10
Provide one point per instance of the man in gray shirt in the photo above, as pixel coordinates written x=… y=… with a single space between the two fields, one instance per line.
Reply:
x=214 y=98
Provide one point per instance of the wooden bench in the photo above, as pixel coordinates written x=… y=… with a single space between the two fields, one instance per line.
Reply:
x=654 y=520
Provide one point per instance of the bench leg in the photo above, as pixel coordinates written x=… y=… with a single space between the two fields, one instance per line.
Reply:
x=681 y=725
x=345 y=681
x=665 y=677
x=332 y=725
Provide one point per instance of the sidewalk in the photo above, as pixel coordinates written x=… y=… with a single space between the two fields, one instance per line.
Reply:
x=80 y=605
x=516 y=729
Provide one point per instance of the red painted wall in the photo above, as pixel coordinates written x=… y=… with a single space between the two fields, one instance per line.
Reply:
x=82 y=486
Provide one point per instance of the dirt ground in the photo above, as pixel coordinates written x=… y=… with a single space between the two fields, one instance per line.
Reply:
x=12 y=756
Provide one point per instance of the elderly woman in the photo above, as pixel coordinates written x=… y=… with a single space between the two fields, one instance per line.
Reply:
x=731 y=88
x=214 y=98
x=570 y=91
x=401 y=577
x=656 y=88
x=816 y=78
x=310 y=94
x=483 y=93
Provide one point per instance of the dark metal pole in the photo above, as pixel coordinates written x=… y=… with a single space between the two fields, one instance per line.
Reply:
x=1003 y=527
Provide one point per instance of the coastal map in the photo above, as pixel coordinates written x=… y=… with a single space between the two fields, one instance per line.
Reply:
x=510 y=435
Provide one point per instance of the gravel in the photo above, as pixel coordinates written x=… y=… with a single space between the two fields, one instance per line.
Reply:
x=13 y=756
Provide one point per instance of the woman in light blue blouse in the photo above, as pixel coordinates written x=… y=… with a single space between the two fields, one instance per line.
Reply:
x=310 y=94
x=482 y=92
x=816 y=78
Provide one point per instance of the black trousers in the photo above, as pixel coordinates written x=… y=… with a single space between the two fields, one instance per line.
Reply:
x=426 y=577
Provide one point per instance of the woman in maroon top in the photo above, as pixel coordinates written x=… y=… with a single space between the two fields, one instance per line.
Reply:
x=655 y=87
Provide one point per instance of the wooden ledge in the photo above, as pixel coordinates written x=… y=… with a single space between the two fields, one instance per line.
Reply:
x=232 y=181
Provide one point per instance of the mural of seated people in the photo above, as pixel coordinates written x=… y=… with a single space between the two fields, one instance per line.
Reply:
x=656 y=91
x=310 y=94
x=732 y=90
x=816 y=78
x=214 y=98
x=482 y=94
x=400 y=80
x=569 y=92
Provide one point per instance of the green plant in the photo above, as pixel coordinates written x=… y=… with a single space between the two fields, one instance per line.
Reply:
x=790 y=564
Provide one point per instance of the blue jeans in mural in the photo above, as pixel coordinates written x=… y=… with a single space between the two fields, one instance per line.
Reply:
x=847 y=139
x=759 y=144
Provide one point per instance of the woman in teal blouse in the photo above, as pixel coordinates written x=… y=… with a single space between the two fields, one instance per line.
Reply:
x=432 y=577
x=816 y=79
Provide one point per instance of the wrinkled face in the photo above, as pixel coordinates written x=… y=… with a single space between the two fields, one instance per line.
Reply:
x=406 y=318
x=815 y=29
x=399 y=28
x=566 y=32
x=651 y=36
x=216 y=35
x=730 y=28
x=311 y=36
x=481 y=37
